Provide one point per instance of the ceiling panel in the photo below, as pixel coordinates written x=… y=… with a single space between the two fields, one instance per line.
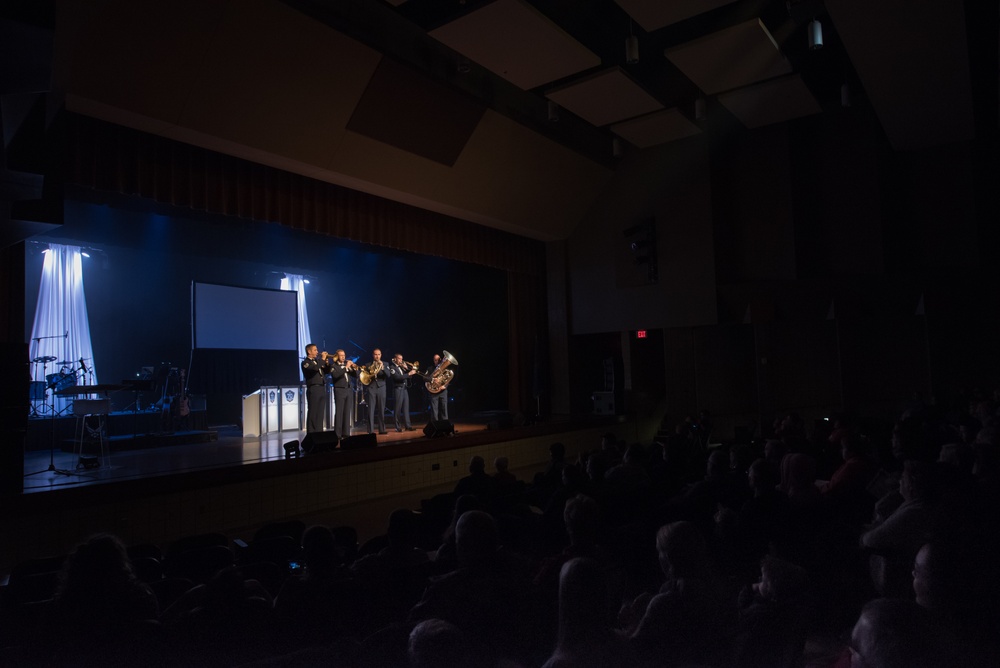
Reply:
x=771 y=102
x=914 y=67
x=655 y=14
x=737 y=56
x=517 y=42
x=656 y=128
x=606 y=97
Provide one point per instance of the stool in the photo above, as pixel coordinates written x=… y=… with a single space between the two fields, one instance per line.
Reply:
x=91 y=408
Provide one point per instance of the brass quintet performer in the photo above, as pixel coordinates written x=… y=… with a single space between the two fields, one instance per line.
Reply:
x=399 y=376
x=375 y=380
x=341 y=370
x=314 y=369
x=437 y=385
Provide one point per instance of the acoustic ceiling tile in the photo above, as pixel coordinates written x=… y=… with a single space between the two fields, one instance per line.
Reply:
x=515 y=41
x=606 y=97
x=656 y=128
x=737 y=56
x=655 y=14
x=771 y=102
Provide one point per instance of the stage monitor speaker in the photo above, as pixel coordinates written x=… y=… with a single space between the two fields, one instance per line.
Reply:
x=437 y=428
x=359 y=442
x=319 y=441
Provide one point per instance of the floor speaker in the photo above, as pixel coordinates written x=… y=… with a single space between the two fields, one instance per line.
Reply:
x=437 y=428
x=319 y=441
x=359 y=442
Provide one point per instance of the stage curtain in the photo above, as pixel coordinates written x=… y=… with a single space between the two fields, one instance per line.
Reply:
x=108 y=157
x=525 y=335
x=298 y=283
x=61 y=329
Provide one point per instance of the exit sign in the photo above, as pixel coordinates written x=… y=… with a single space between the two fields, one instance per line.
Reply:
x=640 y=334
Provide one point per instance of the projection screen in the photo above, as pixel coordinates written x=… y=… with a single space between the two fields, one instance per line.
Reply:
x=225 y=316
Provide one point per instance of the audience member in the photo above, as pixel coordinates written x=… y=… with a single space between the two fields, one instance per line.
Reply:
x=393 y=578
x=478 y=482
x=321 y=603
x=687 y=621
x=847 y=489
x=892 y=633
x=446 y=552
x=774 y=617
x=506 y=482
x=435 y=643
x=761 y=522
x=487 y=596
x=100 y=610
x=228 y=619
x=895 y=541
x=585 y=638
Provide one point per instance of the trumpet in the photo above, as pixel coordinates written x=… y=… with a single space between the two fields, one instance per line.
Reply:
x=415 y=366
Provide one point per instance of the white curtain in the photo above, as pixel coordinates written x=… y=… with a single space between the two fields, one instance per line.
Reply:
x=61 y=330
x=297 y=283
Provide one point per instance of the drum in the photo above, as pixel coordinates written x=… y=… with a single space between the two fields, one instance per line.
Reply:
x=61 y=380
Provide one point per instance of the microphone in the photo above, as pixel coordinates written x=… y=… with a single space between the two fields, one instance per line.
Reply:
x=66 y=335
x=83 y=367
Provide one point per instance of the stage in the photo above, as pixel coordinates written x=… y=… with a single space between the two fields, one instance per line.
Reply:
x=234 y=484
x=132 y=454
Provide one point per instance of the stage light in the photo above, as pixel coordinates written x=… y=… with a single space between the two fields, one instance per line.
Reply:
x=306 y=281
x=631 y=49
x=84 y=254
x=815 y=35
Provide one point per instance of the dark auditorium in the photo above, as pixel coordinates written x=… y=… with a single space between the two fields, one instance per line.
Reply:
x=500 y=334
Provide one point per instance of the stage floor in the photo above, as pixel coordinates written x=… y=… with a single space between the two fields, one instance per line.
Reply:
x=217 y=447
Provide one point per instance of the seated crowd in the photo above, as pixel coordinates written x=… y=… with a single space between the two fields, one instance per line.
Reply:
x=843 y=547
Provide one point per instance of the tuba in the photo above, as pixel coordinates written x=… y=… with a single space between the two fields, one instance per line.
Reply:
x=442 y=375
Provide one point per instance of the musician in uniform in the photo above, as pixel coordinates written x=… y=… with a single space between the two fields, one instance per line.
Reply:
x=341 y=371
x=376 y=393
x=439 y=400
x=314 y=369
x=399 y=376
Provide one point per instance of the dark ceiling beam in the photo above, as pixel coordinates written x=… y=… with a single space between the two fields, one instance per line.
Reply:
x=380 y=27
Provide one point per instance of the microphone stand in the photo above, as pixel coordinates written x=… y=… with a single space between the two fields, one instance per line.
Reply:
x=52 y=438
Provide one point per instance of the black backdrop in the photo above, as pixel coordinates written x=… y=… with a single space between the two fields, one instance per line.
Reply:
x=138 y=286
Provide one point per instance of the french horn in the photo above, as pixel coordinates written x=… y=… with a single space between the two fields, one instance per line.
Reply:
x=442 y=375
x=366 y=374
